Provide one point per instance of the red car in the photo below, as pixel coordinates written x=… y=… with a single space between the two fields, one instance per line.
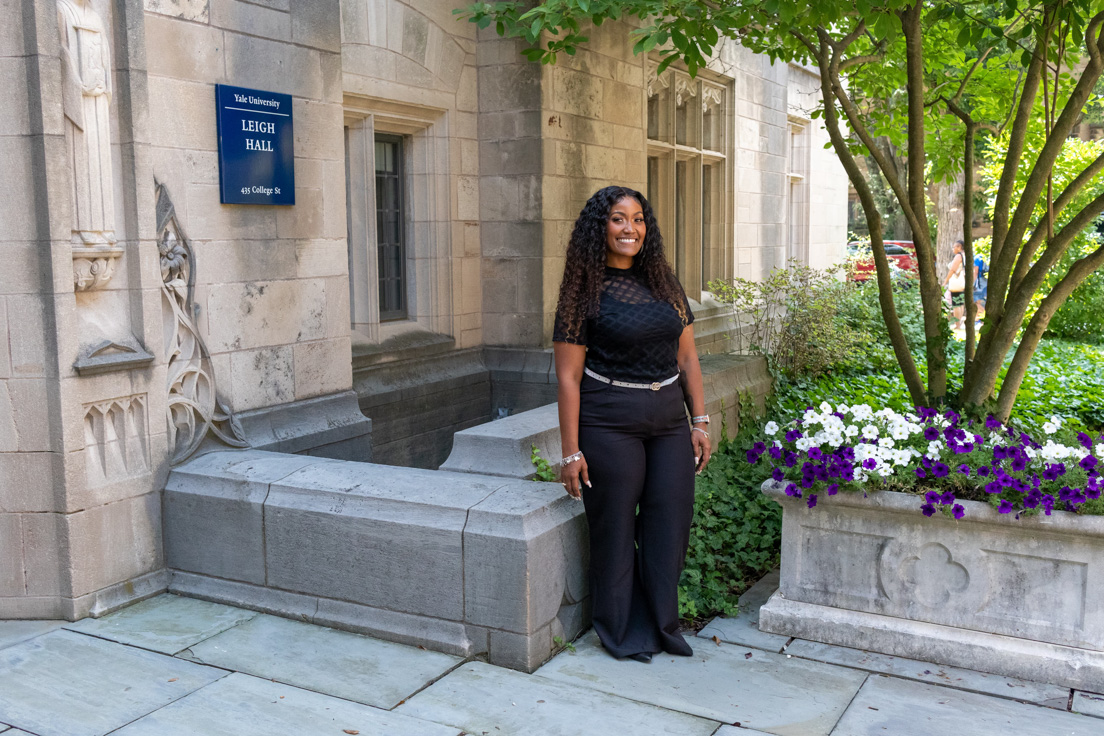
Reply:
x=901 y=252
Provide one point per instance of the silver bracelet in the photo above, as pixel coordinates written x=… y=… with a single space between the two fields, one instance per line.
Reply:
x=703 y=419
x=572 y=458
x=699 y=429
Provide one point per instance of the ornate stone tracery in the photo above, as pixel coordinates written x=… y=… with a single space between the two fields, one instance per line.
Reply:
x=194 y=408
x=711 y=97
x=656 y=82
x=684 y=90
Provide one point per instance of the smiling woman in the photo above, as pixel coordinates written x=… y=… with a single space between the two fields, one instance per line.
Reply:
x=623 y=337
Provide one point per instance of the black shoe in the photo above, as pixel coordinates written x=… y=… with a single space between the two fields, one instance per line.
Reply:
x=645 y=657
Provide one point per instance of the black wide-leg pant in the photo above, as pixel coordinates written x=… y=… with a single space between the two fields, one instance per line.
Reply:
x=639 y=456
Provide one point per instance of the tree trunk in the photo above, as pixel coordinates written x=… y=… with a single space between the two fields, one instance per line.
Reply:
x=947 y=196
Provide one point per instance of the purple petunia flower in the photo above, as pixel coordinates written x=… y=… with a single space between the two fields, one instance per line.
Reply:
x=940 y=470
x=921 y=473
x=931 y=433
x=1020 y=463
x=1088 y=462
x=932 y=497
x=833 y=489
x=759 y=447
x=791 y=459
x=992 y=487
x=928 y=509
x=1054 y=471
x=752 y=456
x=947 y=498
x=775 y=452
x=793 y=435
x=870 y=463
x=983 y=471
x=964 y=469
x=815 y=453
x=1005 y=506
x=778 y=474
x=958 y=511
x=999 y=452
x=1085 y=440
x=812 y=500
x=992 y=423
x=791 y=490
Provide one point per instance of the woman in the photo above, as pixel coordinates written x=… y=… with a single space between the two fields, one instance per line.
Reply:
x=954 y=284
x=623 y=333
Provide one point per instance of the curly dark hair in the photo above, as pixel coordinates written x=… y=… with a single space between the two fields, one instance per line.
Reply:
x=585 y=262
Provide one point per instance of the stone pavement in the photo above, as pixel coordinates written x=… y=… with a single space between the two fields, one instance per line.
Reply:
x=173 y=666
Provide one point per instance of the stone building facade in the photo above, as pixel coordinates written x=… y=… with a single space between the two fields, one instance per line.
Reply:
x=409 y=291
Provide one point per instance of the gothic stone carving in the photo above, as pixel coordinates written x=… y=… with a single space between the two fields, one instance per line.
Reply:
x=116 y=439
x=194 y=406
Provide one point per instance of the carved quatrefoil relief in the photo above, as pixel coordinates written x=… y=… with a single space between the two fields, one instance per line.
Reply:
x=934 y=575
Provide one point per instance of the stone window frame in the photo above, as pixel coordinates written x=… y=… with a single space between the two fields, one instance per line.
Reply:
x=428 y=227
x=695 y=266
x=798 y=151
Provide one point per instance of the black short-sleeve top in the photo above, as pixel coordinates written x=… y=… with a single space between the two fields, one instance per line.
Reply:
x=634 y=337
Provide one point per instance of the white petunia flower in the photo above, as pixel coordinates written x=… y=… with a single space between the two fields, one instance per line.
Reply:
x=1056 y=421
x=935 y=446
x=870 y=432
x=771 y=428
x=1100 y=451
x=825 y=407
x=803 y=443
x=886 y=442
x=900 y=431
x=851 y=430
x=1050 y=428
x=843 y=409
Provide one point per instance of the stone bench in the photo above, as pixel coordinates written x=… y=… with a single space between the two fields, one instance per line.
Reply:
x=461 y=563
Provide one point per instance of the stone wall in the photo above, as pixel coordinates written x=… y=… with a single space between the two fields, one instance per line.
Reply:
x=81 y=452
x=410 y=69
x=272 y=285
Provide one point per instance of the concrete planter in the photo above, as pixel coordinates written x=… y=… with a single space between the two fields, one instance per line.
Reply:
x=1021 y=598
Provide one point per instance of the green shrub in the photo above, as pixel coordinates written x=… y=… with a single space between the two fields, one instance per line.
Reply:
x=1081 y=317
x=792 y=317
x=736 y=534
x=860 y=310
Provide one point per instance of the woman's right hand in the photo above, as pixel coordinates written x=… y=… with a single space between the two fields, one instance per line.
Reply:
x=573 y=475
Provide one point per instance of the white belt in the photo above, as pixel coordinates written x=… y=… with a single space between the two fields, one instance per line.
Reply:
x=625 y=384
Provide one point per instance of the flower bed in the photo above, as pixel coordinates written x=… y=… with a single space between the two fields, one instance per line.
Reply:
x=939 y=455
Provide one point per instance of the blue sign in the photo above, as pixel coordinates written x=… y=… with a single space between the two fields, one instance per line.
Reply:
x=256 y=160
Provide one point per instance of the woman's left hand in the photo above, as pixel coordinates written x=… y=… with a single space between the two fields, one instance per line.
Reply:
x=702 y=450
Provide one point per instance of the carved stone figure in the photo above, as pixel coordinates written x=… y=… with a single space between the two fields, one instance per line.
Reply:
x=86 y=101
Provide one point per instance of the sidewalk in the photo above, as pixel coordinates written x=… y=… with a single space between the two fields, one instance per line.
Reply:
x=175 y=666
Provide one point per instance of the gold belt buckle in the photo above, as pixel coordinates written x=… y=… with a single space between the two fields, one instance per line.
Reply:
x=656 y=386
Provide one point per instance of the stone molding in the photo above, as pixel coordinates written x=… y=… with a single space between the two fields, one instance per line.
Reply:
x=94 y=265
x=107 y=355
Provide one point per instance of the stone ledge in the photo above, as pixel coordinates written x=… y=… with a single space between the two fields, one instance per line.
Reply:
x=474 y=562
x=333 y=425
x=1081 y=669
x=504 y=447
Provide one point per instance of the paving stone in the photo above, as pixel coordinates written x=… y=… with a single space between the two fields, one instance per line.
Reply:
x=13 y=632
x=1051 y=696
x=167 y=623
x=743 y=630
x=248 y=706
x=338 y=663
x=738 y=731
x=887 y=705
x=68 y=684
x=1089 y=704
x=482 y=699
x=765 y=691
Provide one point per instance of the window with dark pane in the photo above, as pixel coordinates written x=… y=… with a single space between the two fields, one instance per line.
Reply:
x=390 y=227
